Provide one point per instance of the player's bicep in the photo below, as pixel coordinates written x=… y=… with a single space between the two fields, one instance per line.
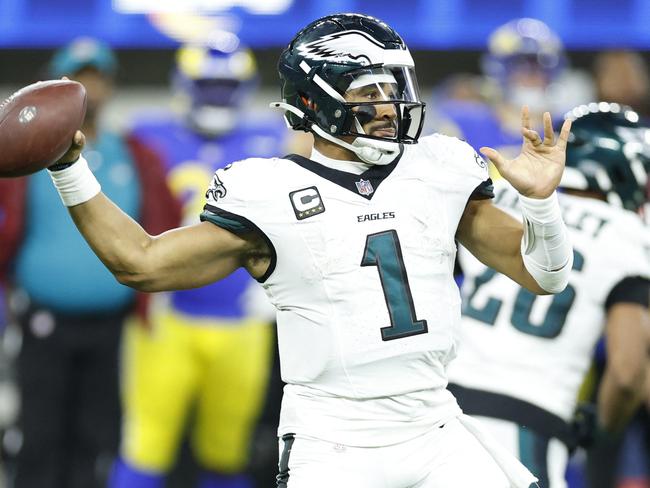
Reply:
x=627 y=328
x=621 y=388
x=189 y=257
x=494 y=237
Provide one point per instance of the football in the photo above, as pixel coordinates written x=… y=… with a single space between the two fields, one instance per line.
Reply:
x=37 y=124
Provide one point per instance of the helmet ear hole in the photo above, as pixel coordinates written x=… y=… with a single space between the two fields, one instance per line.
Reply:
x=308 y=102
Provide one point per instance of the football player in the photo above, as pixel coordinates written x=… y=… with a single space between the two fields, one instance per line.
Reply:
x=522 y=358
x=208 y=349
x=355 y=248
x=524 y=58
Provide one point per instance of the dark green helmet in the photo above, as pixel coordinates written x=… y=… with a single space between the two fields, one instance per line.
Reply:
x=608 y=153
x=343 y=52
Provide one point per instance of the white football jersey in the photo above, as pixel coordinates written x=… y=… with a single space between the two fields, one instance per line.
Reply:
x=539 y=348
x=362 y=271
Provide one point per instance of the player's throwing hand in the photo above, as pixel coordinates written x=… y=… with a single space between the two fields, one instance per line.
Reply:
x=73 y=153
x=537 y=171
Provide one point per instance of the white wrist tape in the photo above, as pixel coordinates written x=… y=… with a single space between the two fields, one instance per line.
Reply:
x=75 y=184
x=545 y=246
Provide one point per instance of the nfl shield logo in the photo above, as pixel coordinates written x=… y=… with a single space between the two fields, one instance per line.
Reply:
x=364 y=187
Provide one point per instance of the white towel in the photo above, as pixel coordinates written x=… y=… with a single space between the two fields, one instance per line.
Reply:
x=517 y=473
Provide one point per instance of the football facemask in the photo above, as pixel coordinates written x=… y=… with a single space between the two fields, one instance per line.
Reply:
x=352 y=75
x=382 y=108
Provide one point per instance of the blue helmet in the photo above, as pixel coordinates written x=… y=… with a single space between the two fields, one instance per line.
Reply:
x=523 y=43
x=608 y=154
x=214 y=79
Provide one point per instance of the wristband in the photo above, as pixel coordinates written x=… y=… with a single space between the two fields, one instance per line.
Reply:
x=76 y=184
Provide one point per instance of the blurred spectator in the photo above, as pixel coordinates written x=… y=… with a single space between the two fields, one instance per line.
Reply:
x=208 y=354
x=622 y=77
x=67 y=365
x=522 y=359
x=464 y=86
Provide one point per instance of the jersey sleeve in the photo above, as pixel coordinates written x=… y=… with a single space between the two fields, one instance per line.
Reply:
x=634 y=289
x=626 y=240
x=236 y=201
x=484 y=191
x=476 y=167
x=462 y=165
x=227 y=198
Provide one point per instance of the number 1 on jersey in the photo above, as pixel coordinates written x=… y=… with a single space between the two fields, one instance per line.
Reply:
x=383 y=250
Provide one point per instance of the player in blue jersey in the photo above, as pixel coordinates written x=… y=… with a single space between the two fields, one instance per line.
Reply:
x=522 y=60
x=208 y=349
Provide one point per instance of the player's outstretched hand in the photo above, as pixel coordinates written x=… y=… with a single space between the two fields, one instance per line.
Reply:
x=537 y=171
x=72 y=154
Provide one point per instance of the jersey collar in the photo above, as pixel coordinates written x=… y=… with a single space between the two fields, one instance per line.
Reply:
x=364 y=184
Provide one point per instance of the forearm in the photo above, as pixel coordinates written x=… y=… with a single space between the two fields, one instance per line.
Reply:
x=187 y=257
x=545 y=247
x=617 y=401
x=118 y=240
x=495 y=238
x=506 y=256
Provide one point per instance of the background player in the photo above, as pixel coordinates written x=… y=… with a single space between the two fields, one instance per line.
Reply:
x=206 y=358
x=343 y=245
x=525 y=64
x=522 y=359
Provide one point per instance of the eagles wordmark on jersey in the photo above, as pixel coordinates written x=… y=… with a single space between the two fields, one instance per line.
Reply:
x=366 y=307
x=354 y=275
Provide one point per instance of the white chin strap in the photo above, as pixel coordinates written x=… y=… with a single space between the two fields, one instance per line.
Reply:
x=367 y=150
x=375 y=152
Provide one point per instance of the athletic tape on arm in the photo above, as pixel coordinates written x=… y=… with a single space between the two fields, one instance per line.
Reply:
x=545 y=247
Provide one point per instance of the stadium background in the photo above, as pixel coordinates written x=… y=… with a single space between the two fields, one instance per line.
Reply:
x=445 y=36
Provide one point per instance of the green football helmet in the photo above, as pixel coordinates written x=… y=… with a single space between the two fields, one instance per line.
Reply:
x=608 y=153
x=336 y=55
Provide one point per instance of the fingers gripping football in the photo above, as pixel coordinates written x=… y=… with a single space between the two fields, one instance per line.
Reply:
x=72 y=154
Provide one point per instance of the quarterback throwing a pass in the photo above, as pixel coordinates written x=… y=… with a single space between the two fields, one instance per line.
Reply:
x=355 y=247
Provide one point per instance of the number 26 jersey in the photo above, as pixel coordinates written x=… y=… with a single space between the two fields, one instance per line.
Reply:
x=539 y=348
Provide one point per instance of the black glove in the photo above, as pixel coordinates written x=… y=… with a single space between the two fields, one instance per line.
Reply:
x=584 y=425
